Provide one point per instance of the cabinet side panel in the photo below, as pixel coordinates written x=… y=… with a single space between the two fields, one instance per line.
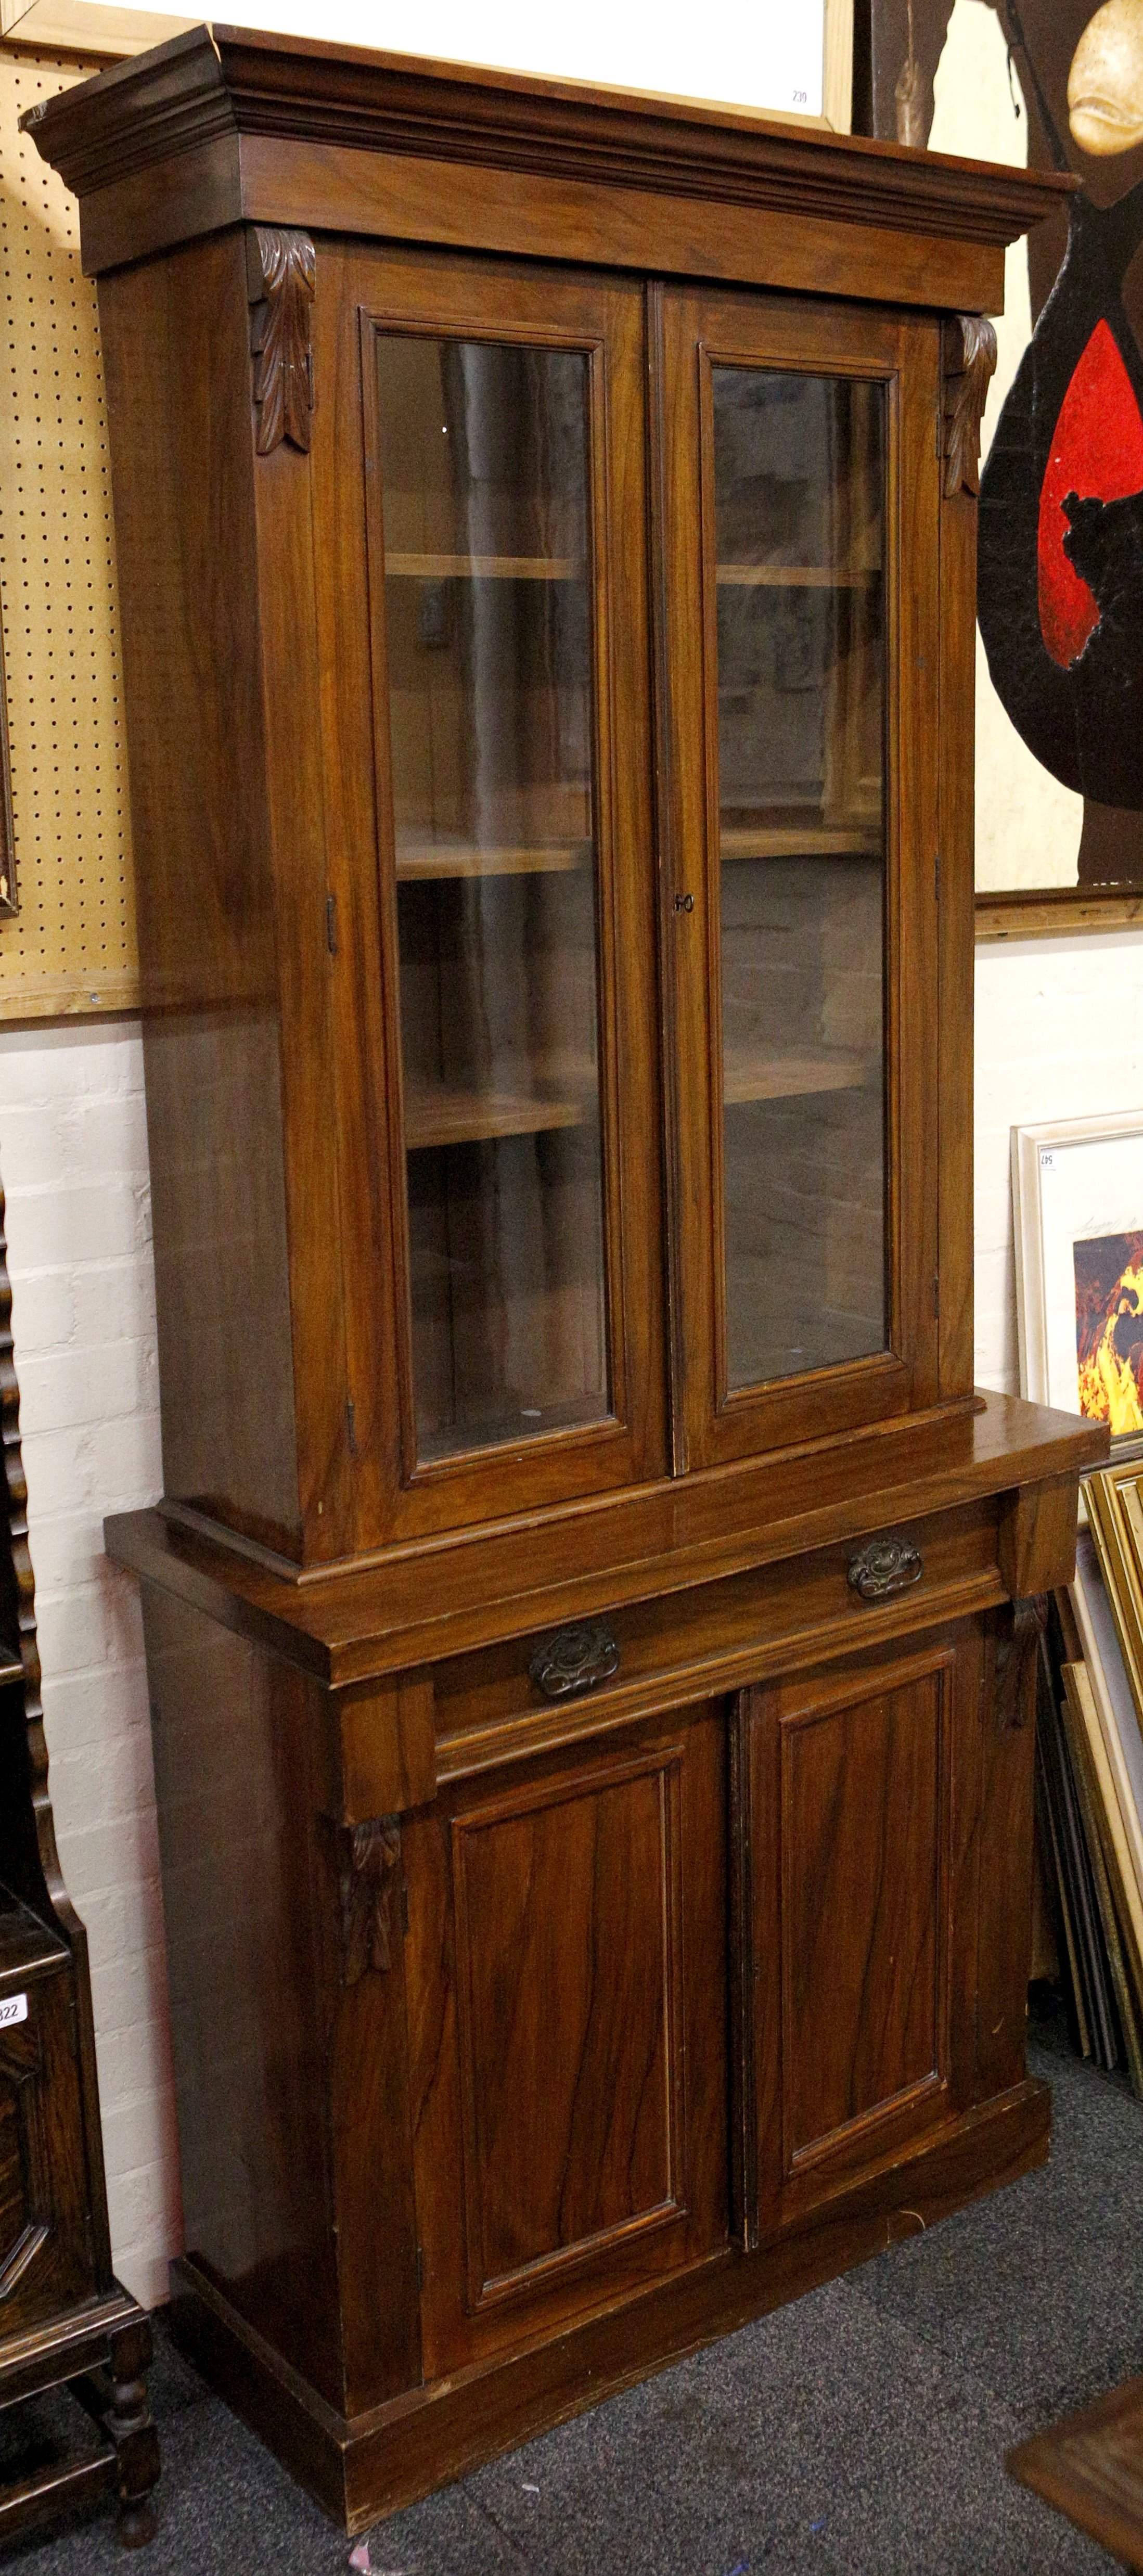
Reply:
x=1005 y=1940
x=231 y=1762
x=176 y=355
x=956 y=937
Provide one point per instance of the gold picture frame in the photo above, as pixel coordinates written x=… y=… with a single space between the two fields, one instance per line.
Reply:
x=1115 y=1517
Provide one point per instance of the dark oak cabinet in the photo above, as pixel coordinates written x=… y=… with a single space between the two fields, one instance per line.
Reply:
x=591 y=1619
x=65 y=2321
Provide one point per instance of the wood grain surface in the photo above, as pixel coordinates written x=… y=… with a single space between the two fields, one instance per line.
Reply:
x=1090 y=2467
x=352 y=1625
x=523 y=2043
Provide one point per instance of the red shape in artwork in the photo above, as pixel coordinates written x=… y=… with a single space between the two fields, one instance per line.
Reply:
x=1097 y=451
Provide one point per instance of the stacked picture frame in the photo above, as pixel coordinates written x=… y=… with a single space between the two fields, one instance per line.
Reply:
x=1077 y=1190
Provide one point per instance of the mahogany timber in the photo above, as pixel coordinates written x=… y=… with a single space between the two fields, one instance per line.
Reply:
x=381 y=1616
x=1037 y=1530
x=401 y=2451
x=245 y=127
x=522 y=2044
x=1090 y=2467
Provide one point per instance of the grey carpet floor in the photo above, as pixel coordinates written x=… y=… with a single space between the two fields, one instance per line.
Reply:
x=861 y=2429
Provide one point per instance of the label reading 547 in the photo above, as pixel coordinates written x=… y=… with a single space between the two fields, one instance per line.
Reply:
x=13 y=2008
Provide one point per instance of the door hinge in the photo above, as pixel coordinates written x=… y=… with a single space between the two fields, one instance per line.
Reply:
x=937 y=875
x=331 y=924
x=351 y=1426
x=936 y=1293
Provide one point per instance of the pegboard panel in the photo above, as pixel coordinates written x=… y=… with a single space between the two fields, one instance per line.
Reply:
x=72 y=946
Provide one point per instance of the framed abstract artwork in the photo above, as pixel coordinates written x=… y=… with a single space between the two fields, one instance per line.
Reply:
x=1077 y=1196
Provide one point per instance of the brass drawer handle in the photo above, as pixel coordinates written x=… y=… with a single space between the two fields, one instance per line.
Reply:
x=574 y=1659
x=886 y=1565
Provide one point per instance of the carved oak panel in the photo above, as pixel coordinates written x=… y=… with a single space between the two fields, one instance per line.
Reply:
x=24 y=2204
x=44 y=2253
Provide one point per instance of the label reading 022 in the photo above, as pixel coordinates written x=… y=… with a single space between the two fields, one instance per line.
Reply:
x=13 y=2008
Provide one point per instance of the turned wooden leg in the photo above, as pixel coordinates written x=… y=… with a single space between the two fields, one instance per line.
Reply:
x=128 y=2421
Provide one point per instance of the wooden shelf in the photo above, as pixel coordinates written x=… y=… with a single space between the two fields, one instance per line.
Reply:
x=790 y=841
x=484 y=568
x=423 y=860
x=768 y=576
x=790 y=1076
x=446 y=1117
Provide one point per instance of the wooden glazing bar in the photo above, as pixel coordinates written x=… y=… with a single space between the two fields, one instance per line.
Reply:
x=483 y=567
x=417 y=860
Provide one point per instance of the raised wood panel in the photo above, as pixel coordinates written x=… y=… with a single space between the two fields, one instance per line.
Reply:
x=25 y=2199
x=856 y=1917
x=576 y=1892
x=863 y=1786
x=45 y=2260
x=565 y=2152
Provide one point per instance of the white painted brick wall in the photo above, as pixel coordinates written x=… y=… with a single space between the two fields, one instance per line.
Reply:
x=1059 y=1033
x=73 y=1155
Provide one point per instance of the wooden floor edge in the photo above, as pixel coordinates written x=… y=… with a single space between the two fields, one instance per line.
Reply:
x=373 y=2465
x=1047 y=2463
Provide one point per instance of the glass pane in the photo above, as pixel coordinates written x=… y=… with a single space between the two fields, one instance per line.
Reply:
x=800 y=546
x=484 y=462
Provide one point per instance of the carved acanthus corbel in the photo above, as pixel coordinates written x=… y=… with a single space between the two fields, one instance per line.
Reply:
x=368 y=1865
x=281 y=280
x=969 y=355
x=1016 y=1652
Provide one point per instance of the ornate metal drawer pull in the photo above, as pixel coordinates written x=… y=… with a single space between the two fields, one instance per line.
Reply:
x=885 y=1565
x=574 y=1659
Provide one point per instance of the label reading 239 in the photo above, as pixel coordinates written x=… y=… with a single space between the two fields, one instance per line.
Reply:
x=13 y=2008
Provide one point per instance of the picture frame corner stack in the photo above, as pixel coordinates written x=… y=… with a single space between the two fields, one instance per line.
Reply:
x=1077 y=1190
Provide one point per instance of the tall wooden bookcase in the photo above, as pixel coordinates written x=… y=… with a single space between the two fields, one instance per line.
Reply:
x=590 y=1621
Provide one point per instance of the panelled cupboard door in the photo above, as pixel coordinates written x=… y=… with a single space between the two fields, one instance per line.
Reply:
x=46 y=2262
x=798 y=480
x=480 y=487
x=855 y=1807
x=567 y=2032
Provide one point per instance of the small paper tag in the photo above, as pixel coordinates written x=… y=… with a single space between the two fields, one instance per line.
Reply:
x=13 y=2008
x=1047 y=1162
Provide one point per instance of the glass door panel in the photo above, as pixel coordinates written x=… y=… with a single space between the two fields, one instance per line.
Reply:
x=485 y=468
x=799 y=541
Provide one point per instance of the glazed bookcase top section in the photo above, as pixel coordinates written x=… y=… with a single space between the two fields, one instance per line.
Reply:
x=221 y=84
